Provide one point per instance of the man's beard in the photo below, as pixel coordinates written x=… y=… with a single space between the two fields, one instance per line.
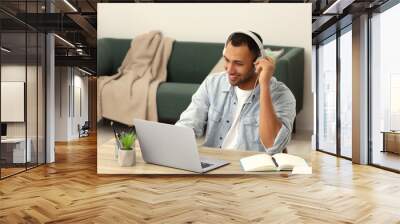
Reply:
x=242 y=79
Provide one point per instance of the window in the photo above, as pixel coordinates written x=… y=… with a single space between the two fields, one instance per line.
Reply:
x=385 y=89
x=22 y=67
x=346 y=93
x=327 y=96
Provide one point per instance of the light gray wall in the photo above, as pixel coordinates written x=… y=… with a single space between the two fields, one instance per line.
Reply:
x=50 y=99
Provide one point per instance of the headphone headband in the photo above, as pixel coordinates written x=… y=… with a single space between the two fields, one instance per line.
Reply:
x=253 y=37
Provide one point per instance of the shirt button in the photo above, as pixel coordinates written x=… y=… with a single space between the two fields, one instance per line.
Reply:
x=227 y=121
x=234 y=103
x=220 y=138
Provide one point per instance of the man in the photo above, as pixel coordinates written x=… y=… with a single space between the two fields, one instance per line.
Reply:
x=243 y=107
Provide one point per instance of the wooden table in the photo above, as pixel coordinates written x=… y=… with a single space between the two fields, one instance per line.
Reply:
x=107 y=164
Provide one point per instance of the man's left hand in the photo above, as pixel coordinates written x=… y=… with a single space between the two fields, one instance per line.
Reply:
x=265 y=67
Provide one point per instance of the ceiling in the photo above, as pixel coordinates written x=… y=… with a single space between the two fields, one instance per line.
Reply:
x=76 y=22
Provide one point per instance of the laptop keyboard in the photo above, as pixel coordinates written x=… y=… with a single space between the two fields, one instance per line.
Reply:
x=205 y=165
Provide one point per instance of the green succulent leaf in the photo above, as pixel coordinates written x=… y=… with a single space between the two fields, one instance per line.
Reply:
x=127 y=140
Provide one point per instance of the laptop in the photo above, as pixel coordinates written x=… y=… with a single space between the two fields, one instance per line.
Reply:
x=172 y=146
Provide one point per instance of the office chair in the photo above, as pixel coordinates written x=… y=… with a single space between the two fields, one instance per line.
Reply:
x=84 y=130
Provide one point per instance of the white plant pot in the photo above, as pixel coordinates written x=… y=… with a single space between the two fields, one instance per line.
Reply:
x=126 y=157
x=116 y=149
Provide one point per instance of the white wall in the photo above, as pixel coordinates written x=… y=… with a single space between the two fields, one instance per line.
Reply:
x=80 y=82
x=67 y=80
x=61 y=104
x=278 y=24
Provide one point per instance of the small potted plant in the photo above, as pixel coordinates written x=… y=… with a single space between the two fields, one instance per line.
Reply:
x=126 y=152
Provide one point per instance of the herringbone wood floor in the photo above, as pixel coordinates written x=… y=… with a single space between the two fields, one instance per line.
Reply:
x=70 y=191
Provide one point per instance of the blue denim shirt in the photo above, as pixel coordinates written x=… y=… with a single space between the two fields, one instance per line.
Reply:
x=213 y=107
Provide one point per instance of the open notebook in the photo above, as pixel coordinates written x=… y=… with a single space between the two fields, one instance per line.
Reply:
x=265 y=162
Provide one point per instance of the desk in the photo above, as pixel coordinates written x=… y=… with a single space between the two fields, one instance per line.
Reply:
x=107 y=164
x=18 y=151
x=391 y=141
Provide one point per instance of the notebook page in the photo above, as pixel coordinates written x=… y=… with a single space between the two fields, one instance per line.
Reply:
x=287 y=161
x=259 y=162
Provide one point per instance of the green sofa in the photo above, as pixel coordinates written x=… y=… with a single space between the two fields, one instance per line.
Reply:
x=189 y=64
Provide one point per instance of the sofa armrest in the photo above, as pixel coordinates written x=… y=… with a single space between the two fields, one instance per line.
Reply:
x=104 y=60
x=110 y=54
x=293 y=63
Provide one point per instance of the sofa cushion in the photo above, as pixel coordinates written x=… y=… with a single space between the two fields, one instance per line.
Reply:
x=172 y=99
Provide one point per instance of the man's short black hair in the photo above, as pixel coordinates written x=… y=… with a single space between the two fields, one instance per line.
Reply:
x=238 y=39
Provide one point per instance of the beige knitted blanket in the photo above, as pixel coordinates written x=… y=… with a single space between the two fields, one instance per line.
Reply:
x=131 y=93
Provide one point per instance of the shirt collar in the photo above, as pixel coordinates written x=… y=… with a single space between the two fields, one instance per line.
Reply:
x=227 y=87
